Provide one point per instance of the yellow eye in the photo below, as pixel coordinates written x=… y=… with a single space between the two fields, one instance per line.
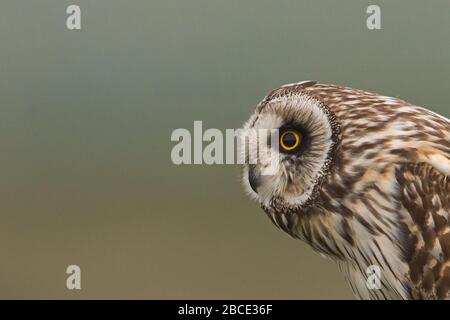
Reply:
x=290 y=140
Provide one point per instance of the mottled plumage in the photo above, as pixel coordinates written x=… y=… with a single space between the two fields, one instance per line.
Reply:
x=370 y=187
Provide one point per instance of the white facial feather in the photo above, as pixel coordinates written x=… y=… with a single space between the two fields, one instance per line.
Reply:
x=306 y=112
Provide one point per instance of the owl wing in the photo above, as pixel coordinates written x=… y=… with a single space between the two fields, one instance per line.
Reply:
x=425 y=194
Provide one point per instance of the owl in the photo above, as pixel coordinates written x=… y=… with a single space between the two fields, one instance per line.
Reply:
x=364 y=180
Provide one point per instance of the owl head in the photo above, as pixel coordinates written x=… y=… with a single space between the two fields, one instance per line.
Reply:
x=307 y=135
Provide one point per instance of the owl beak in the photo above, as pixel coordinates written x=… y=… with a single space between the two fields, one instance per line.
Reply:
x=253 y=178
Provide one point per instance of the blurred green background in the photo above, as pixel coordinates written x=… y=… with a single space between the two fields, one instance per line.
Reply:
x=85 y=124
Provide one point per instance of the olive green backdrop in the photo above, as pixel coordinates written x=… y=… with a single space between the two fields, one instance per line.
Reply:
x=85 y=123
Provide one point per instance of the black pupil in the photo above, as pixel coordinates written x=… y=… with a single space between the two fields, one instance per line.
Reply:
x=289 y=140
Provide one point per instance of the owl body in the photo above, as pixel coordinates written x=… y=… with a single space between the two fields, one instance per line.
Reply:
x=369 y=187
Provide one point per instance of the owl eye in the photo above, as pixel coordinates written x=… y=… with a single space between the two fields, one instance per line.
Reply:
x=290 y=140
